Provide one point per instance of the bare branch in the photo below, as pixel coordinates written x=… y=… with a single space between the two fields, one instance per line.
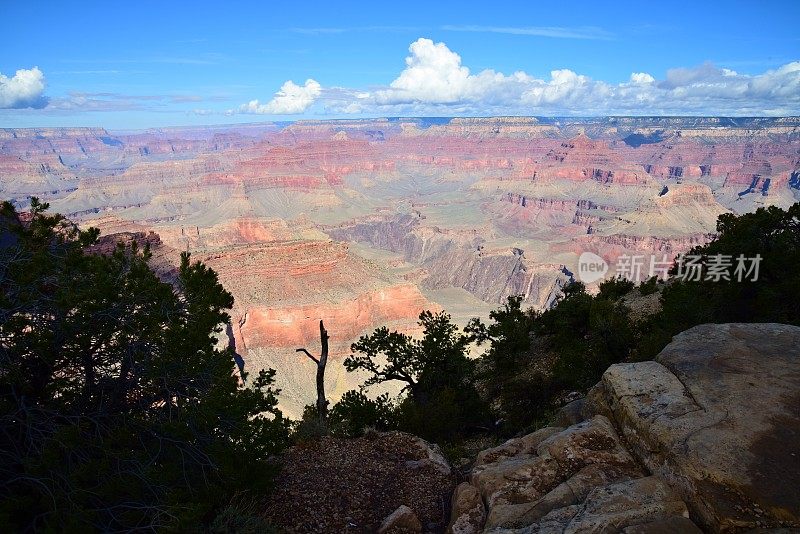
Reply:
x=309 y=355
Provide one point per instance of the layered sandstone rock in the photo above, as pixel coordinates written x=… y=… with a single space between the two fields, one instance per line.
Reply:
x=467 y=510
x=452 y=214
x=717 y=416
x=577 y=479
x=401 y=521
x=705 y=435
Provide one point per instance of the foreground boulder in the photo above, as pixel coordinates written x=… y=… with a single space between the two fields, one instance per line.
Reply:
x=401 y=521
x=717 y=415
x=708 y=435
x=610 y=508
x=468 y=512
x=577 y=479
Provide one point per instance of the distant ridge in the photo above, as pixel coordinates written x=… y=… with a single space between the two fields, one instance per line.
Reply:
x=628 y=121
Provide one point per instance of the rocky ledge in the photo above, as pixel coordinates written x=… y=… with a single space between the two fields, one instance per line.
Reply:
x=707 y=437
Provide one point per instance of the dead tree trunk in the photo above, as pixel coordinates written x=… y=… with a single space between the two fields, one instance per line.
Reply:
x=322 y=361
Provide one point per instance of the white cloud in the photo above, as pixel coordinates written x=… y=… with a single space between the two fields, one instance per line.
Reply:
x=291 y=99
x=724 y=89
x=641 y=78
x=24 y=90
x=565 y=88
x=434 y=75
x=353 y=107
x=435 y=81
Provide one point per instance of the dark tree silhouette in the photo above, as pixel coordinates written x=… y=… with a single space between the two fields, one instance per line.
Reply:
x=322 y=361
x=441 y=400
x=117 y=412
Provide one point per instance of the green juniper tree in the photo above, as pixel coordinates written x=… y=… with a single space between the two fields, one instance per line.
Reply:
x=508 y=335
x=441 y=401
x=117 y=412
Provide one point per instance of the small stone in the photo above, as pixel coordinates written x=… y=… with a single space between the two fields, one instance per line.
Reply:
x=468 y=513
x=402 y=518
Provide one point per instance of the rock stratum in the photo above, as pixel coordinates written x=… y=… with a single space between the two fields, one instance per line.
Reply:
x=365 y=223
x=706 y=437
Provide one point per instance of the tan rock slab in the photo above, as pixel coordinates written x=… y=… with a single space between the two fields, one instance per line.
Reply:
x=532 y=474
x=718 y=416
x=468 y=512
x=609 y=509
x=517 y=446
x=401 y=520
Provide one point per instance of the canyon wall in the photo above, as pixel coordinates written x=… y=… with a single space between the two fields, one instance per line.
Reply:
x=368 y=222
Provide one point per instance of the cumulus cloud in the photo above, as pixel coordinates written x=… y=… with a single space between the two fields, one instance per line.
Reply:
x=434 y=75
x=641 y=78
x=706 y=81
x=24 y=90
x=291 y=99
x=435 y=80
x=565 y=88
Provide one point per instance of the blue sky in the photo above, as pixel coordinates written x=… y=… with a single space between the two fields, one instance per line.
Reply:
x=142 y=64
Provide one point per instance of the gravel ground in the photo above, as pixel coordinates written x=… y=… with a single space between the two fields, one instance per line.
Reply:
x=335 y=485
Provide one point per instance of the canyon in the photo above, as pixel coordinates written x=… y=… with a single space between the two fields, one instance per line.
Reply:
x=365 y=223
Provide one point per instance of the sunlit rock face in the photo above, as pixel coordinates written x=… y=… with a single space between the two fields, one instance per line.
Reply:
x=367 y=222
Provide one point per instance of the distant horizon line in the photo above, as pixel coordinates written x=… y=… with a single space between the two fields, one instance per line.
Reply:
x=399 y=118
